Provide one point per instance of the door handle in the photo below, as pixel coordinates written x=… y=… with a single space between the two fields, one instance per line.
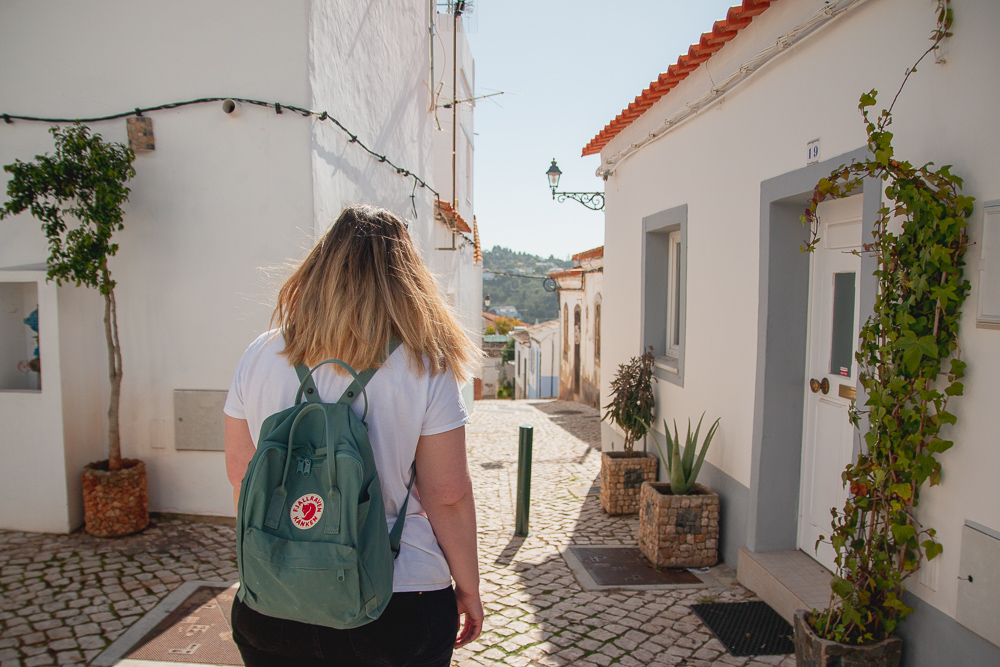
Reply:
x=819 y=385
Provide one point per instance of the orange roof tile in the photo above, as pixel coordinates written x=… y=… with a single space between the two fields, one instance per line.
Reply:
x=568 y=273
x=452 y=217
x=589 y=254
x=477 y=250
x=737 y=18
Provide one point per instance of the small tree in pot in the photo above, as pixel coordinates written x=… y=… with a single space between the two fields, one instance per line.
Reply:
x=78 y=194
x=631 y=408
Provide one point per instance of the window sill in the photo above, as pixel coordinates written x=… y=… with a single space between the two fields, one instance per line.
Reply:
x=668 y=364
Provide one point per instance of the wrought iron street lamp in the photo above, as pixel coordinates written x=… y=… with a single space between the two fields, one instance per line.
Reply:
x=486 y=302
x=592 y=200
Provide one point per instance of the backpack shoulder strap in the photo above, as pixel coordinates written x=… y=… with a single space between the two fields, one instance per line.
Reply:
x=306 y=384
x=397 y=528
x=361 y=379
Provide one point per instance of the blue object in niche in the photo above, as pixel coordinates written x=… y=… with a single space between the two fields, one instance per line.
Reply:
x=32 y=322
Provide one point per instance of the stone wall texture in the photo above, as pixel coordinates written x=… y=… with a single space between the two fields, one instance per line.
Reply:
x=679 y=531
x=622 y=476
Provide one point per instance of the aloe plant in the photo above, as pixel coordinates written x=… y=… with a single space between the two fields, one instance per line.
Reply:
x=682 y=471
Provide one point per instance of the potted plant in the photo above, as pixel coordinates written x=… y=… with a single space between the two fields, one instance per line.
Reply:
x=679 y=520
x=631 y=408
x=904 y=349
x=77 y=194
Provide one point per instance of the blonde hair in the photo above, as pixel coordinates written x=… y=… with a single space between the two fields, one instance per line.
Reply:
x=363 y=283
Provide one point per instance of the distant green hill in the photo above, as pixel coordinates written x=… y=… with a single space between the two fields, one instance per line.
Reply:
x=525 y=294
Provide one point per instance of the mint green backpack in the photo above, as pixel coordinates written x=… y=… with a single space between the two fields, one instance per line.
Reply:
x=312 y=543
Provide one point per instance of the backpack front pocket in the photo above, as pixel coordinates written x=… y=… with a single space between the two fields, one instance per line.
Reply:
x=310 y=582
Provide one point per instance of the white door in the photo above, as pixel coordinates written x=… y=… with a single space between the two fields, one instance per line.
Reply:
x=831 y=371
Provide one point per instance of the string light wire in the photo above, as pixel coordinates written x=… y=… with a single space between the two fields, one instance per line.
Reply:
x=278 y=107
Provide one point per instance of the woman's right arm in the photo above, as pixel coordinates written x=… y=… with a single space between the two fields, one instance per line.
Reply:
x=239 y=451
x=446 y=495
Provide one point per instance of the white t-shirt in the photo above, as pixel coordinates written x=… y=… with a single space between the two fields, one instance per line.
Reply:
x=402 y=406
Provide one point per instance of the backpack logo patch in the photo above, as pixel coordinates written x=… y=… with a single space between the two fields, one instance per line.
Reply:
x=306 y=511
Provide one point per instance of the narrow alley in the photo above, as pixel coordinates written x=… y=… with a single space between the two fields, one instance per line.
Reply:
x=65 y=598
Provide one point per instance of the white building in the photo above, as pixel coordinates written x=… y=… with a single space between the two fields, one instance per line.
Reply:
x=536 y=360
x=704 y=196
x=221 y=197
x=580 y=304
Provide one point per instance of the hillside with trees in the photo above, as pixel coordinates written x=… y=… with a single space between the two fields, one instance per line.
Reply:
x=526 y=294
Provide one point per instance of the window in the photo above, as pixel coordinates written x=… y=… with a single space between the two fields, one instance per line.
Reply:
x=565 y=319
x=664 y=259
x=597 y=329
x=673 y=343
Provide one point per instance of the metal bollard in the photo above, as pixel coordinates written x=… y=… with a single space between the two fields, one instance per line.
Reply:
x=523 y=481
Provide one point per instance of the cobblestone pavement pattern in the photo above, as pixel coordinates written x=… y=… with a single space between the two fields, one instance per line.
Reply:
x=64 y=598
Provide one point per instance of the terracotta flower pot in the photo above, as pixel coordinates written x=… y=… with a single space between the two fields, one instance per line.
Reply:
x=115 y=503
x=679 y=531
x=811 y=650
x=622 y=474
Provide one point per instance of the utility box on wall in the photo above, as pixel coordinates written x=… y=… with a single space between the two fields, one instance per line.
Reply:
x=199 y=423
x=979 y=581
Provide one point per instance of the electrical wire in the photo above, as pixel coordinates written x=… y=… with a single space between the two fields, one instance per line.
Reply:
x=513 y=275
x=279 y=108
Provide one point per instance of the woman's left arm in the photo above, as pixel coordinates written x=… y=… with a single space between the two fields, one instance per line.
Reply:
x=239 y=451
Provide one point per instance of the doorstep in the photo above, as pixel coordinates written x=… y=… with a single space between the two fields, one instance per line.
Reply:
x=786 y=580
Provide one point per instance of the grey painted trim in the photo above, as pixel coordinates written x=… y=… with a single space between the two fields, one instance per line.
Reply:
x=783 y=306
x=932 y=638
x=655 y=251
x=733 y=500
x=118 y=648
x=989 y=532
x=984 y=208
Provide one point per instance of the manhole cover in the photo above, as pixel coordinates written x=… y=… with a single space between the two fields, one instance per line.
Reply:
x=197 y=631
x=625 y=566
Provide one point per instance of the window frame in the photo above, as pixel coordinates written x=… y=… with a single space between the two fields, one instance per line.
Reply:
x=565 y=319
x=672 y=344
x=597 y=329
x=664 y=254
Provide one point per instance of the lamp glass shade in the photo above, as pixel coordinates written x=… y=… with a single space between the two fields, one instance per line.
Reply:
x=553 y=173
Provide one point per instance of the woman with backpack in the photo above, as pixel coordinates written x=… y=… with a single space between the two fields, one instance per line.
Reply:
x=361 y=288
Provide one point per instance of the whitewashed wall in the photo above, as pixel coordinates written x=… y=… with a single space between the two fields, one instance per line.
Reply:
x=220 y=199
x=715 y=164
x=583 y=289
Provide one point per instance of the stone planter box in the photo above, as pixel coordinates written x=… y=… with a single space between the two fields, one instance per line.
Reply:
x=115 y=503
x=813 y=651
x=622 y=475
x=679 y=531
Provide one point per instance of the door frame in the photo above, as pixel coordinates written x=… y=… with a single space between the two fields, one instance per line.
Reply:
x=782 y=320
x=825 y=264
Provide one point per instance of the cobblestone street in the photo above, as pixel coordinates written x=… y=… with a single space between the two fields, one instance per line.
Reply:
x=64 y=598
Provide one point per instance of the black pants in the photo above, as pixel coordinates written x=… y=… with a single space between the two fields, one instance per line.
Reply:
x=415 y=630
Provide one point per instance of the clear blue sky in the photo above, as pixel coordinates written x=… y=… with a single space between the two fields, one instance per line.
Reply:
x=568 y=68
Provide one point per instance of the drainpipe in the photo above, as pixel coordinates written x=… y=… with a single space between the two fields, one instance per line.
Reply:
x=454 y=111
